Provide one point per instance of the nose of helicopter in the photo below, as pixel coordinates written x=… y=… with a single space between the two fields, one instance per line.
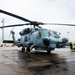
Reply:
x=64 y=40
x=46 y=41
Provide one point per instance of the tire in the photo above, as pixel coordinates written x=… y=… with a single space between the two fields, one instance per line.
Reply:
x=49 y=51
x=28 y=49
x=23 y=49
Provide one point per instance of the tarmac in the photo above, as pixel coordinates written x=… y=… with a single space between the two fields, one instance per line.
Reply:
x=14 y=62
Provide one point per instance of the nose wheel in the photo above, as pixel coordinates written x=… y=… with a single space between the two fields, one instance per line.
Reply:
x=23 y=49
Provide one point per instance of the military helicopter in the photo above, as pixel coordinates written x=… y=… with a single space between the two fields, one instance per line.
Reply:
x=36 y=37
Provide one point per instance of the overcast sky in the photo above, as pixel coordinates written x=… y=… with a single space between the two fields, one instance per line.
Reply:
x=48 y=11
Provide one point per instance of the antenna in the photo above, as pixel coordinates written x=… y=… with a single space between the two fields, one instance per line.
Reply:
x=2 y=29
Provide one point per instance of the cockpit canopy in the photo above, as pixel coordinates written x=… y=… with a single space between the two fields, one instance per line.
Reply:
x=45 y=33
x=54 y=34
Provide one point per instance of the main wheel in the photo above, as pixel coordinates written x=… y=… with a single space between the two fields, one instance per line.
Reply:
x=23 y=49
x=49 y=51
x=28 y=49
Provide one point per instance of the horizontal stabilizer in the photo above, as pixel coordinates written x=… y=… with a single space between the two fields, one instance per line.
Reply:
x=8 y=41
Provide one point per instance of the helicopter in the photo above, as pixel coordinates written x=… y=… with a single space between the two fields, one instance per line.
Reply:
x=36 y=37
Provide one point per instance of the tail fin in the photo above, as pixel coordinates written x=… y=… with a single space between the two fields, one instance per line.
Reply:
x=13 y=37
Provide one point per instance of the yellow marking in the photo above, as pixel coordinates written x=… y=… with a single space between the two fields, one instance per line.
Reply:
x=10 y=62
x=29 y=52
x=60 y=55
x=20 y=70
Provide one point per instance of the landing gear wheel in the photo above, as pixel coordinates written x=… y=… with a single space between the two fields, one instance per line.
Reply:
x=28 y=49
x=49 y=51
x=23 y=49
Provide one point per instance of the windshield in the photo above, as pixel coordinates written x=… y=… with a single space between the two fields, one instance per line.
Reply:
x=54 y=33
x=45 y=33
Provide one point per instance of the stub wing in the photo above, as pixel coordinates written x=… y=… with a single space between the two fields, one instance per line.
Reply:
x=8 y=41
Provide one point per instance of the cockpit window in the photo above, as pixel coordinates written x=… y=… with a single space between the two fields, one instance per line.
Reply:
x=45 y=33
x=55 y=34
x=38 y=35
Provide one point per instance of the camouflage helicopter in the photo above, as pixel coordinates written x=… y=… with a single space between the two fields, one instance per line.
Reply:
x=36 y=37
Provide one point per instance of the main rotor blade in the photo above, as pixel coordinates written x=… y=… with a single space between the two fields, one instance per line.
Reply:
x=57 y=24
x=35 y=23
x=13 y=25
x=13 y=15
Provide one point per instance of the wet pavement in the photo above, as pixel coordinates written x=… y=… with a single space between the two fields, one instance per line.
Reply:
x=14 y=62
